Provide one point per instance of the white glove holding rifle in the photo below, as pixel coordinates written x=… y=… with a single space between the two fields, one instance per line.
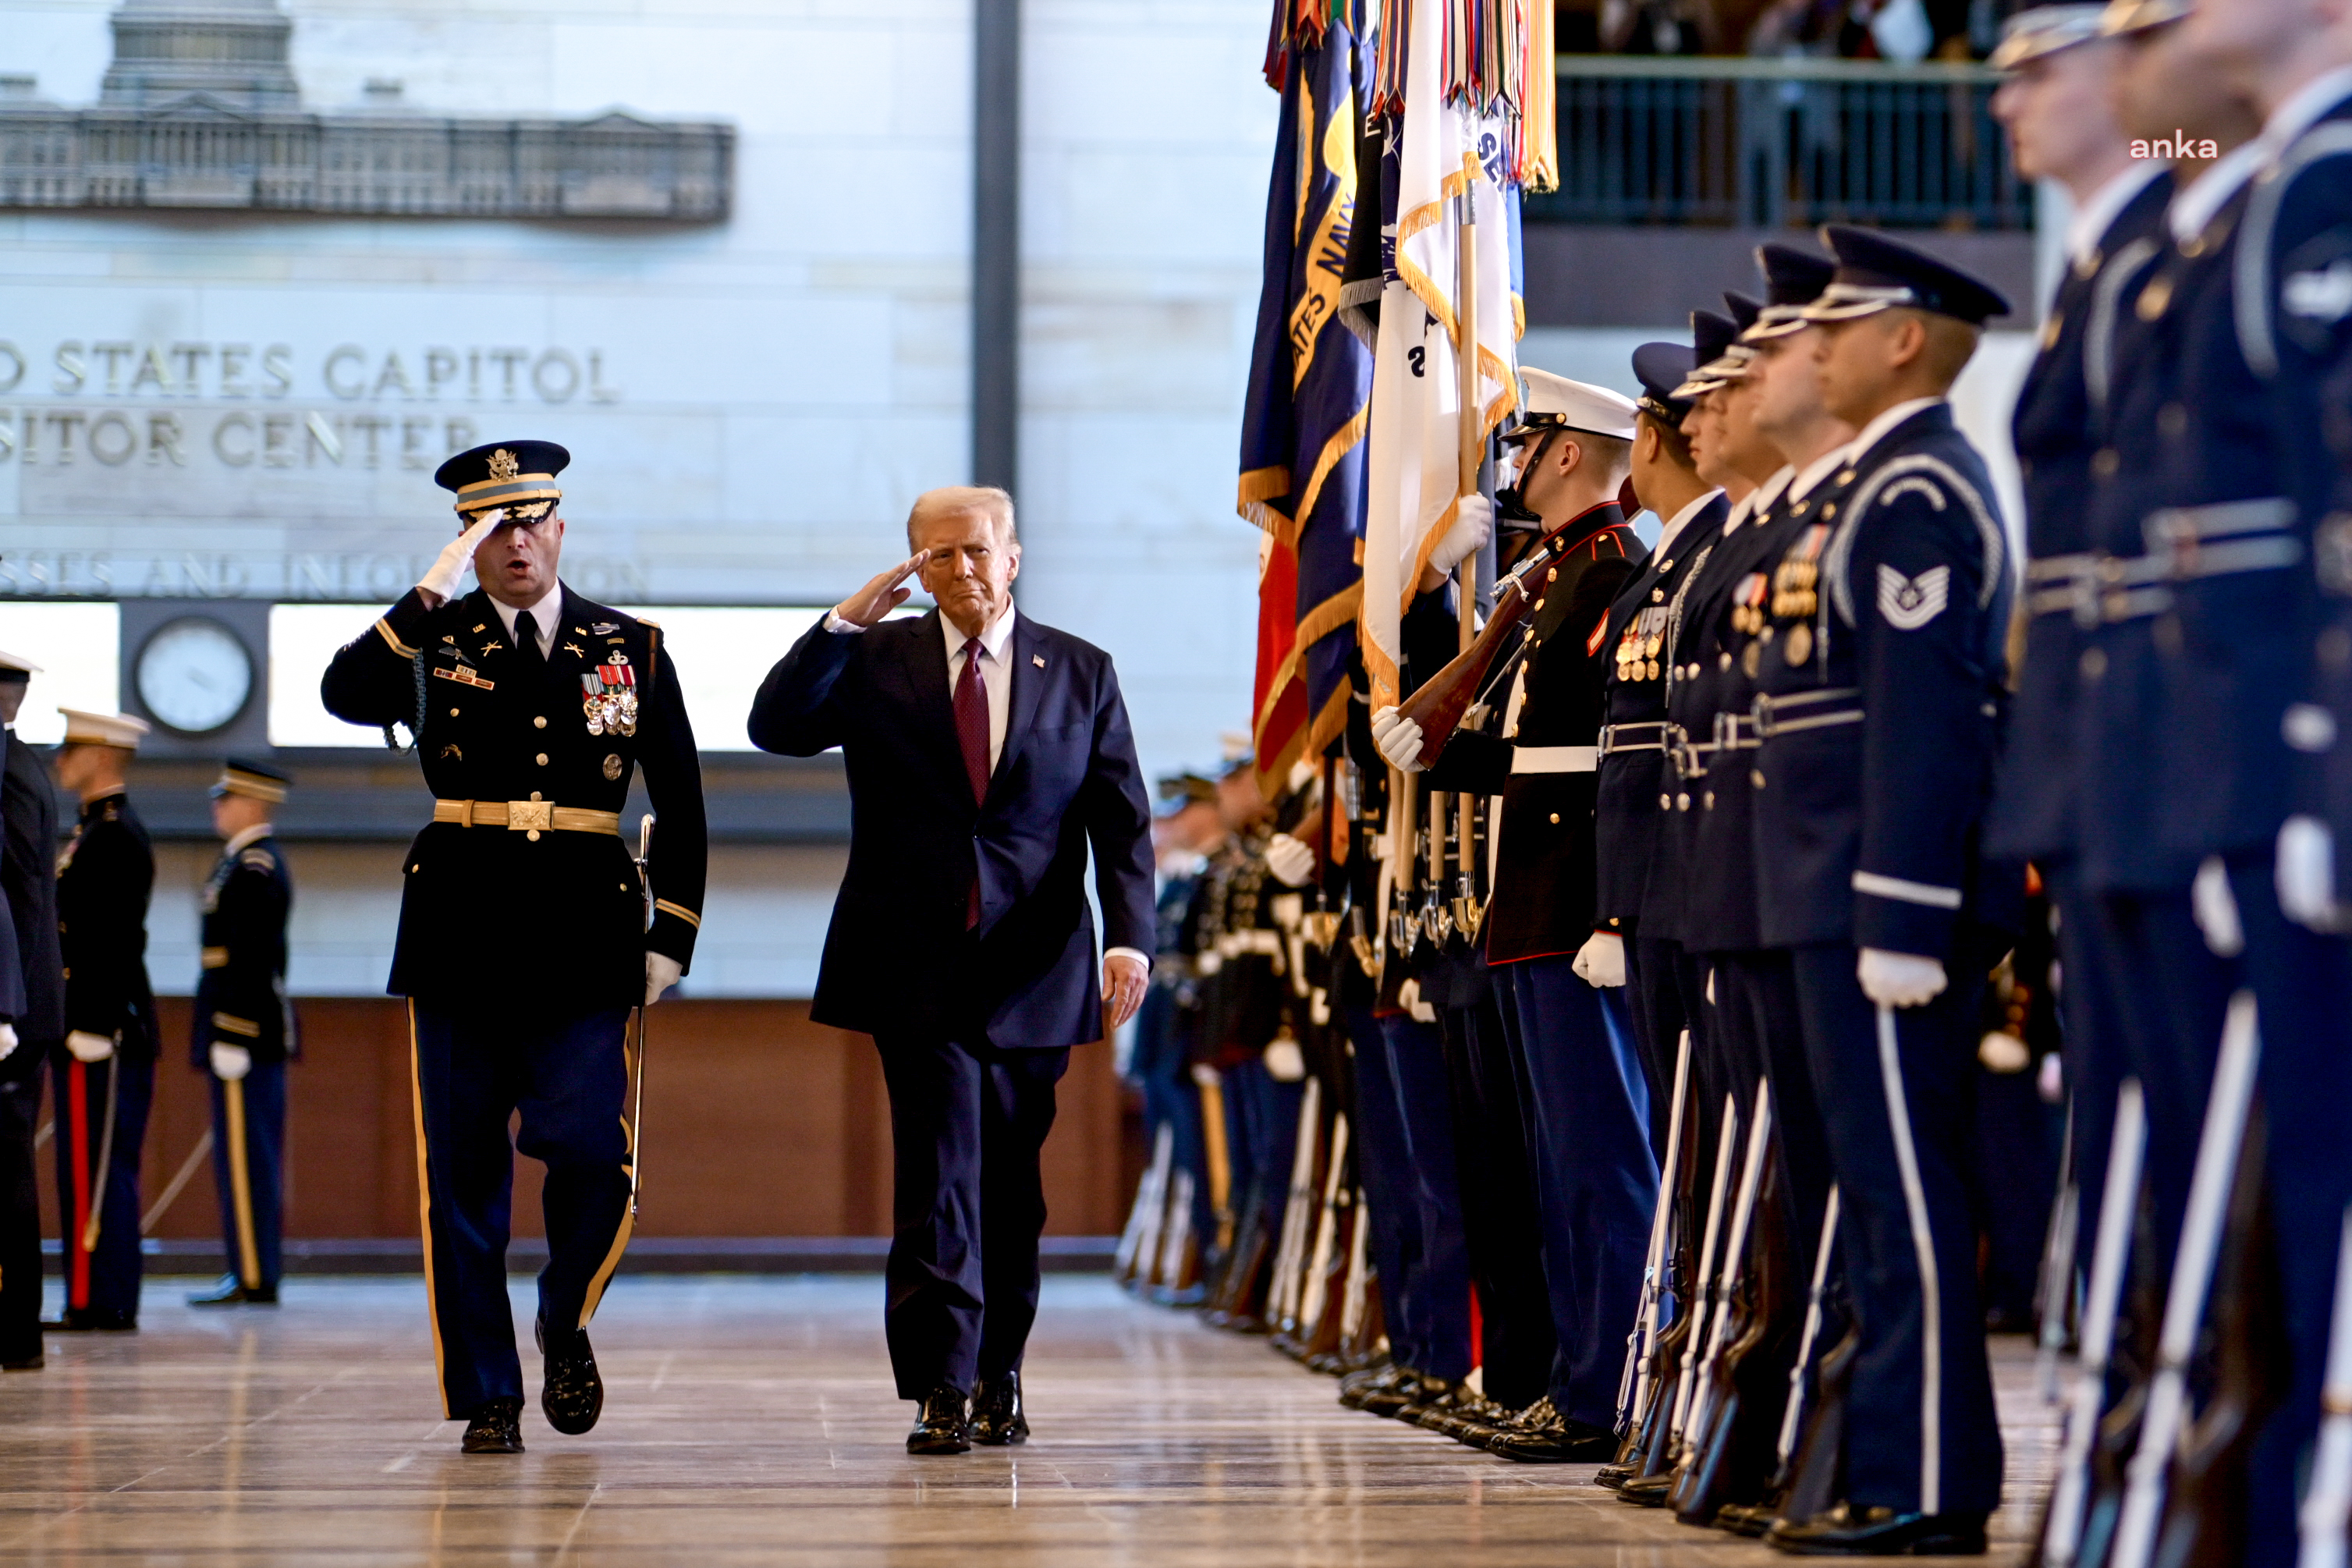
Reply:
x=1473 y=525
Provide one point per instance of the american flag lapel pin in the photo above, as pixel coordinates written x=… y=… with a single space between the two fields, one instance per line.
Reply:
x=1038 y=659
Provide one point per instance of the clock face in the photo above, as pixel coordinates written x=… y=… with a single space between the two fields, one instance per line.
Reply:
x=194 y=675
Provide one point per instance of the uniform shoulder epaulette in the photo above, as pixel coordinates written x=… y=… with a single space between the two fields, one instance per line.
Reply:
x=2325 y=294
x=1941 y=486
x=260 y=860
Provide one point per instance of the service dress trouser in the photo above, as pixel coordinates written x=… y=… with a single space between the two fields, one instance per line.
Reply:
x=1653 y=997
x=1383 y=1166
x=20 y=1218
x=1586 y=1104
x=569 y=1080
x=248 y=1161
x=1894 y=1087
x=1172 y=1100
x=1435 y=1337
x=104 y=1275
x=967 y=1123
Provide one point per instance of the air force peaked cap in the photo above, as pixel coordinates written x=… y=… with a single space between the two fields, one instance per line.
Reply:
x=2121 y=19
x=1556 y=403
x=517 y=475
x=1875 y=273
x=1711 y=334
x=1793 y=278
x=1662 y=368
x=2043 y=30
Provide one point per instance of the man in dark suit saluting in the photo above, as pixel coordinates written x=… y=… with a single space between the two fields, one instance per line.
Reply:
x=987 y=753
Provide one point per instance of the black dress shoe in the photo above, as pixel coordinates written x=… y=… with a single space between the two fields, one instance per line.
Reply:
x=496 y=1428
x=1744 y=1519
x=1847 y=1531
x=1407 y=1388
x=572 y=1395
x=233 y=1293
x=943 y=1424
x=82 y=1320
x=998 y=1420
x=1647 y=1491
x=1558 y=1441
x=1356 y=1384
x=32 y=1362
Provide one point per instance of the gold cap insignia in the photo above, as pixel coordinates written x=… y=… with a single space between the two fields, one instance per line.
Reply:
x=503 y=465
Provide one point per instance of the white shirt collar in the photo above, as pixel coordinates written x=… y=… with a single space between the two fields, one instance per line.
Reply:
x=999 y=633
x=1872 y=432
x=1741 y=511
x=1676 y=523
x=1768 y=494
x=1801 y=484
x=2303 y=108
x=546 y=615
x=246 y=836
x=2092 y=221
x=2206 y=195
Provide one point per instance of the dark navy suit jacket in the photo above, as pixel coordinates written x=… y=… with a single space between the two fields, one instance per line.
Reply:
x=899 y=959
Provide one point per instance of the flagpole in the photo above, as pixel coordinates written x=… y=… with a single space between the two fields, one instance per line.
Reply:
x=1473 y=444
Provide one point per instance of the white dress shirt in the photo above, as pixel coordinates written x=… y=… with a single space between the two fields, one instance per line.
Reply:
x=543 y=616
x=1681 y=520
x=1859 y=447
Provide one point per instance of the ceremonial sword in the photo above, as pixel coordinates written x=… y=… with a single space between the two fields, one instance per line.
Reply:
x=637 y=1114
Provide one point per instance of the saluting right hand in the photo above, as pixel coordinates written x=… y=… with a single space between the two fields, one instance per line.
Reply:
x=869 y=604
x=441 y=582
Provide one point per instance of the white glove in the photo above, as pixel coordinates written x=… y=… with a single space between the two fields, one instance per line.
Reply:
x=230 y=1063
x=1397 y=737
x=1285 y=1062
x=2307 y=872
x=1601 y=960
x=661 y=973
x=1291 y=861
x=7 y=1040
x=2215 y=908
x=89 y=1047
x=1899 y=979
x=1473 y=525
x=2004 y=1052
x=1409 y=998
x=459 y=554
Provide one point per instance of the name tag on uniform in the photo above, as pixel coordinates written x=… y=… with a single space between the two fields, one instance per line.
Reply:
x=465 y=676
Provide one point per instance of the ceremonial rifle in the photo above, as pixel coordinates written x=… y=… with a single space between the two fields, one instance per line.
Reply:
x=637 y=1114
x=2327 y=1504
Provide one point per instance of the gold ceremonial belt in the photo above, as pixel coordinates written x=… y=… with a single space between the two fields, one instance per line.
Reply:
x=526 y=816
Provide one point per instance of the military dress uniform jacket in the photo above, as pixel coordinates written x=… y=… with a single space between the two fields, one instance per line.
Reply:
x=2059 y=428
x=28 y=859
x=522 y=891
x=1879 y=702
x=105 y=879
x=1545 y=767
x=1635 y=888
x=241 y=989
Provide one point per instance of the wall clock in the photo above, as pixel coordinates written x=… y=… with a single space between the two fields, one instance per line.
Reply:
x=194 y=675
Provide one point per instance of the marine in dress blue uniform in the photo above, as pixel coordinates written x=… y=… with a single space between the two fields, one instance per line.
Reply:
x=32 y=1009
x=106 y=1070
x=1877 y=710
x=242 y=1032
x=525 y=942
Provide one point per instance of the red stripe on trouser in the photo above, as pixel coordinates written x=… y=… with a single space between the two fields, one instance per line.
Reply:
x=77 y=1113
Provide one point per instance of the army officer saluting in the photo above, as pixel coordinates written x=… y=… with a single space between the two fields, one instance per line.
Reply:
x=523 y=943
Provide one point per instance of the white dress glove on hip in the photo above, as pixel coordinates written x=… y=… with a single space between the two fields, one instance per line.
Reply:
x=1601 y=960
x=89 y=1047
x=1899 y=979
x=1291 y=861
x=2306 y=873
x=230 y=1063
x=457 y=554
x=1398 y=738
x=661 y=973
x=1473 y=525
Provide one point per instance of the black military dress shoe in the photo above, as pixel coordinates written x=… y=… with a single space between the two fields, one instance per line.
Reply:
x=998 y=1420
x=496 y=1428
x=943 y=1424
x=83 y=1319
x=1355 y=1385
x=32 y=1362
x=1556 y=1441
x=1392 y=1395
x=232 y=1293
x=1847 y=1531
x=572 y=1395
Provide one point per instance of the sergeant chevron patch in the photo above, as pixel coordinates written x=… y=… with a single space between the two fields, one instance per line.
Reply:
x=1910 y=602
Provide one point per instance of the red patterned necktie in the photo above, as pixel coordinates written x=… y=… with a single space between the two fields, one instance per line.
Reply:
x=972 y=734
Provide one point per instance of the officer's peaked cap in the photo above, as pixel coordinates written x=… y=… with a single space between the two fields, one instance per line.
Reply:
x=17 y=667
x=504 y=473
x=2123 y=17
x=84 y=728
x=2043 y=30
x=1875 y=273
x=1556 y=403
x=1793 y=278
x=242 y=776
x=1661 y=368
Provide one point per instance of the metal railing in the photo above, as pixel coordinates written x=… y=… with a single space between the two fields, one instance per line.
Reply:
x=1769 y=143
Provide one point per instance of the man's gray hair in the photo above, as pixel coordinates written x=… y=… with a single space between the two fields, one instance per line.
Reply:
x=950 y=499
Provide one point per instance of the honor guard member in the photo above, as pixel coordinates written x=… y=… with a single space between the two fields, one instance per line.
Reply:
x=1634 y=789
x=1878 y=712
x=2121 y=995
x=524 y=943
x=243 y=1027
x=1584 y=1092
x=2290 y=288
x=32 y=1013
x=106 y=1071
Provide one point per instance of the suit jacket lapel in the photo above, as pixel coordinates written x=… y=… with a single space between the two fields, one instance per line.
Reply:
x=1027 y=674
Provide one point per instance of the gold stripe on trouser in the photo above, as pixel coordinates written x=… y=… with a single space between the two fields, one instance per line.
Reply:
x=240 y=1184
x=425 y=1212
x=631 y=1060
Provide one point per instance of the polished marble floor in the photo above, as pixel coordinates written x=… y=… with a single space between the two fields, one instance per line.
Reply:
x=750 y=1421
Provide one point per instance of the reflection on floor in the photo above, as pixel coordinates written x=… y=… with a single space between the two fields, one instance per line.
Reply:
x=751 y=1420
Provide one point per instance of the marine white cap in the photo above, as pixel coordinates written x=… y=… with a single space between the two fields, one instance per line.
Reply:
x=17 y=663
x=1554 y=402
x=87 y=728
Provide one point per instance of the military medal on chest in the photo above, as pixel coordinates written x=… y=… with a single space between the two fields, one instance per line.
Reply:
x=1643 y=640
x=610 y=697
